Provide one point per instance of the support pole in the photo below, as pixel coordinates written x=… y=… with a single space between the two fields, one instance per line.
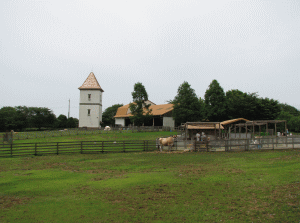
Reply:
x=215 y=132
x=235 y=131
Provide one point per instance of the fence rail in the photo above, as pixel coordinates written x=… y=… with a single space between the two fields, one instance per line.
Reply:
x=83 y=147
x=263 y=143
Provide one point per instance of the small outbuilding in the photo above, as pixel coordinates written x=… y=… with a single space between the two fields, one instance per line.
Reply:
x=211 y=129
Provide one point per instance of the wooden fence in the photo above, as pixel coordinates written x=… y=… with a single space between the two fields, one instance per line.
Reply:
x=83 y=147
x=264 y=143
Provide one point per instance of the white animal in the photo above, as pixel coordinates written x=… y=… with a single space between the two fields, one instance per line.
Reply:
x=107 y=128
x=166 y=142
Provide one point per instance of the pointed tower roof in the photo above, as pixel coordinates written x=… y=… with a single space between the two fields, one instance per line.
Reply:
x=91 y=83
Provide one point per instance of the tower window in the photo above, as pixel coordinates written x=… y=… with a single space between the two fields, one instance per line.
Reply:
x=89 y=112
x=89 y=96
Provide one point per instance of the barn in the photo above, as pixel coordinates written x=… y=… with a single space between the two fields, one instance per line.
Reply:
x=162 y=115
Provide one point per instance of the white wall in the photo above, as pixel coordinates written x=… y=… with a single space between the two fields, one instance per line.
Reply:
x=96 y=96
x=120 y=121
x=92 y=120
x=168 y=122
x=94 y=104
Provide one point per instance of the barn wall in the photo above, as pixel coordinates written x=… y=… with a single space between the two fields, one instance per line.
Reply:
x=168 y=122
x=120 y=121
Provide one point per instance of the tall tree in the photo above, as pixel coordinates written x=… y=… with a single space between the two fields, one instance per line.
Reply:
x=109 y=113
x=41 y=117
x=290 y=109
x=8 y=116
x=139 y=108
x=187 y=106
x=61 y=121
x=72 y=122
x=215 y=104
x=250 y=106
x=23 y=116
x=291 y=115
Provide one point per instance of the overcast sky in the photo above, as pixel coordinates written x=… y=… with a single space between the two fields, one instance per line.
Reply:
x=48 y=49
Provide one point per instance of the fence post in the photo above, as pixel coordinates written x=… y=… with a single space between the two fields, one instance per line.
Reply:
x=11 y=149
x=81 y=147
x=102 y=146
x=273 y=143
x=57 y=149
x=144 y=145
x=35 y=149
x=124 y=146
x=293 y=141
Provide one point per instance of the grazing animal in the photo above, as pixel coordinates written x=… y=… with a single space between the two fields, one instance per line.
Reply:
x=166 y=142
x=107 y=128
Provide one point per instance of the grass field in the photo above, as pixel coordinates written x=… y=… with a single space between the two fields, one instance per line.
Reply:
x=107 y=136
x=152 y=187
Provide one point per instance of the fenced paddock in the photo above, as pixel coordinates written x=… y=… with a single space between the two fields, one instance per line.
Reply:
x=94 y=147
x=83 y=147
x=263 y=143
x=74 y=132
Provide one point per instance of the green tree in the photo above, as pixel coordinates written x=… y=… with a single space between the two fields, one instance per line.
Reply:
x=139 y=108
x=187 y=106
x=290 y=109
x=41 y=117
x=109 y=113
x=61 y=121
x=23 y=116
x=250 y=106
x=215 y=104
x=236 y=104
x=72 y=122
x=267 y=109
x=8 y=116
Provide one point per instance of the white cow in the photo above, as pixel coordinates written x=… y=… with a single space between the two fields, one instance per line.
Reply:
x=166 y=142
x=107 y=128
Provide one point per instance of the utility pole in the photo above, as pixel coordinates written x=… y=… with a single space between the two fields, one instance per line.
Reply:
x=69 y=110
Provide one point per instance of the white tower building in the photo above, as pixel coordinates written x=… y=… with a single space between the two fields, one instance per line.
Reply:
x=90 y=104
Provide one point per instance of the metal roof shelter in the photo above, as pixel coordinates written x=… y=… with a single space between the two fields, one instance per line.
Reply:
x=259 y=123
x=203 y=126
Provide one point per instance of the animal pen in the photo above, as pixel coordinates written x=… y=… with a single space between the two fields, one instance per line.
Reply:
x=220 y=137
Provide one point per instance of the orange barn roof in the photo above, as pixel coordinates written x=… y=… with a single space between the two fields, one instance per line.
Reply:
x=124 y=111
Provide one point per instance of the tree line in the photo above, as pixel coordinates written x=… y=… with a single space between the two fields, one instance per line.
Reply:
x=216 y=106
x=22 y=118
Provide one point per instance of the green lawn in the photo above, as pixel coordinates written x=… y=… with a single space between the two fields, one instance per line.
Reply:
x=152 y=187
x=106 y=136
